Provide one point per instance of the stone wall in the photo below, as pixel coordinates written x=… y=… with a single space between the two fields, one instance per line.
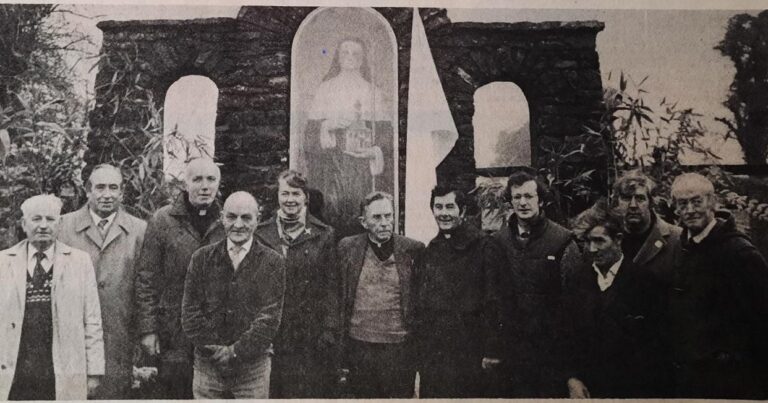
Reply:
x=249 y=59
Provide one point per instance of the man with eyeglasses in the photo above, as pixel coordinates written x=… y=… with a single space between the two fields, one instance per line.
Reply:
x=718 y=303
x=536 y=256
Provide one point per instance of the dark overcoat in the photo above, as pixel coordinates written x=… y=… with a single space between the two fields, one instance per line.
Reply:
x=718 y=311
x=169 y=243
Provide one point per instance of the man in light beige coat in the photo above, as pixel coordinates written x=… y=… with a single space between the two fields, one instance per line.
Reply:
x=51 y=344
x=112 y=238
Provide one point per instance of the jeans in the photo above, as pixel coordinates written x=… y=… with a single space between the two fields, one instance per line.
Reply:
x=243 y=380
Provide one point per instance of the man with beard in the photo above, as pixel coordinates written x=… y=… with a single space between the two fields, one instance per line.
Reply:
x=305 y=359
x=649 y=241
x=456 y=311
x=112 y=238
x=616 y=309
x=378 y=269
x=536 y=255
x=718 y=303
x=173 y=233
x=233 y=300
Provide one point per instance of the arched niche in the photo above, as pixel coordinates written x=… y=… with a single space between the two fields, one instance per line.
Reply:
x=189 y=122
x=343 y=129
x=502 y=126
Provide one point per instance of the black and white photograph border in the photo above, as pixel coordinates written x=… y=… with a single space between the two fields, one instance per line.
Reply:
x=581 y=91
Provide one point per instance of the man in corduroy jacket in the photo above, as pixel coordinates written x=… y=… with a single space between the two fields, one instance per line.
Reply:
x=233 y=302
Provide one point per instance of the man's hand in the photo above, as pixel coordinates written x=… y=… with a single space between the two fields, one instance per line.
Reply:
x=93 y=384
x=150 y=343
x=490 y=363
x=223 y=355
x=577 y=389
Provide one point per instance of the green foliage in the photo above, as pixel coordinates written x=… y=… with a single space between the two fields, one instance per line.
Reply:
x=746 y=44
x=41 y=113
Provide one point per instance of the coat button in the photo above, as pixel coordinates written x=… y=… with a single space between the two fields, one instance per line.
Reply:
x=2 y=366
x=306 y=251
x=13 y=325
x=102 y=284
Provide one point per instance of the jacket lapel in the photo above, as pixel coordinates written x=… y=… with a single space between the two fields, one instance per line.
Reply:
x=403 y=265
x=84 y=223
x=652 y=245
x=60 y=261
x=118 y=226
x=267 y=233
x=18 y=264
x=356 y=259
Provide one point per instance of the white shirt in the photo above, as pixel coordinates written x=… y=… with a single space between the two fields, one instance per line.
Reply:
x=46 y=262
x=243 y=250
x=97 y=218
x=604 y=282
x=703 y=234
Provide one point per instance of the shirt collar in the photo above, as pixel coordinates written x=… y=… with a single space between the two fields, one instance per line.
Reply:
x=246 y=247
x=47 y=262
x=605 y=281
x=704 y=233
x=97 y=218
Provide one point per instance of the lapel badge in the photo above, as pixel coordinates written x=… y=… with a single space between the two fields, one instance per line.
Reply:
x=307 y=231
x=658 y=244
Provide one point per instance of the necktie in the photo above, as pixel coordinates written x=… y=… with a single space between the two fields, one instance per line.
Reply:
x=38 y=278
x=237 y=257
x=103 y=227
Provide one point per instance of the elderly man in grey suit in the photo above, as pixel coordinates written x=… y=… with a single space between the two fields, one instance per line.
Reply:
x=112 y=238
x=378 y=280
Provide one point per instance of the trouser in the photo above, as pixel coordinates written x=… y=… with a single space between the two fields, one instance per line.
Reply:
x=301 y=374
x=174 y=375
x=243 y=380
x=381 y=370
x=542 y=381
x=447 y=373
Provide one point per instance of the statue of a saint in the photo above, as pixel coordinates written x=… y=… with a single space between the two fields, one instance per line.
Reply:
x=348 y=139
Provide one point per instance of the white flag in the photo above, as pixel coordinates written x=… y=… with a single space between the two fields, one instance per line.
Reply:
x=431 y=135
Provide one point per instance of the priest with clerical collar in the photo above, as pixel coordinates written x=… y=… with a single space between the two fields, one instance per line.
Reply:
x=457 y=321
x=378 y=270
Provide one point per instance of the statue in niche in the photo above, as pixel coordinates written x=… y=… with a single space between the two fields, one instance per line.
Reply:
x=349 y=137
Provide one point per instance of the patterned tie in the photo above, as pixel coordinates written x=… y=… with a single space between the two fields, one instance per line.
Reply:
x=38 y=279
x=103 y=227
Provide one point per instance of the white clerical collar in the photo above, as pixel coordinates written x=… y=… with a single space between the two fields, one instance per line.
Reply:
x=97 y=218
x=244 y=247
x=704 y=233
x=605 y=281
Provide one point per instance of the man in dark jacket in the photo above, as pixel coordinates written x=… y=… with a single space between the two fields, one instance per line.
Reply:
x=378 y=271
x=536 y=255
x=233 y=300
x=718 y=305
x=456 y=306
x=616 y=308
x=649 y=241
x=306 y=347
x=173 y=233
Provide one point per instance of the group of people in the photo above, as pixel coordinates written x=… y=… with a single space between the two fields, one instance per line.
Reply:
x=225 y=305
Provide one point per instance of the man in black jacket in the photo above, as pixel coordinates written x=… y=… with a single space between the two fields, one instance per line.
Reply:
x=616 y=308
x=536 y=257
x=718 y=306
x=233 y=302
x=456 y=307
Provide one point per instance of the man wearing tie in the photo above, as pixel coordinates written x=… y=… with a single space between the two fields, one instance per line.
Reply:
x=112 y=238
x=232 y=306
x=51 y=344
